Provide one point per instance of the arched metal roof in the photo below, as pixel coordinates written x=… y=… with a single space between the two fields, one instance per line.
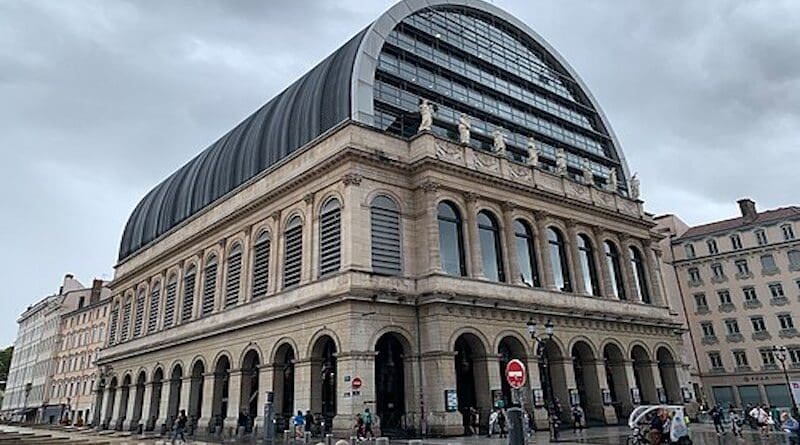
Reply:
x=341 y=87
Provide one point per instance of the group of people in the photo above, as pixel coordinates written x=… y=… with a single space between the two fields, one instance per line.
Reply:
x=758 y=417
x=364 y=425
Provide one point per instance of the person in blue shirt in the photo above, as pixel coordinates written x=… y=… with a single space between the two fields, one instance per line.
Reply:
x=792 y=428
x=299 y=423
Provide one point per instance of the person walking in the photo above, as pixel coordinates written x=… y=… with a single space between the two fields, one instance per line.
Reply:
x=299 y=425
x=791 y=427
x=368 y=421
x=493 y=422
x=501 y=422
x=359 y=427
x=716 y=416
x=736 y=422
x=577 y=418
x=309 y=422
x=180 y=427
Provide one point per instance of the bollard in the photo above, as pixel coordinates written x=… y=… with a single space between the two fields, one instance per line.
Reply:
x=329 y=439
x=287 y=434
x=307 y=437
x=382 y=441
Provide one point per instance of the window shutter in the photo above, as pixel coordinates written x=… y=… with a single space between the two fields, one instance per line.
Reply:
x=261 y=266
x=169 y=304
x=210 y=287
x=330 y=228
x=188 y=296
x=155 y=300
x=126 y=319
x=112 y=329
x=293 y=259
x=385 y=234
x=139 y=317
x=233 y=279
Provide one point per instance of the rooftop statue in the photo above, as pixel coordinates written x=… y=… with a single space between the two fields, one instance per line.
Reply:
x=634 y=186
x=613 y=183
x=426 y=110
x=533 y=152
x=499 y=141
x=464 y=127
x=561 y=162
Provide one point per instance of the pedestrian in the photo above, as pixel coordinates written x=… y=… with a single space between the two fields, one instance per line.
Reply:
x=359 y=427
x=493 y=422
x=501 y=422
x=299 y=425
x=577 y=418
x=368 y=423
x=475 y=418
x=309 y=422
x=716 y=416
x=791 y=427
x=180 y=427
x=759 y=413
x=555 y=423
x=736 y=422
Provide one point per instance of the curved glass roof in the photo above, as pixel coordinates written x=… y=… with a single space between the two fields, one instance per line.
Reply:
x=467 y=56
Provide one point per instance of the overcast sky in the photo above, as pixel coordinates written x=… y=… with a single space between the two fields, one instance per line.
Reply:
x=101 y=100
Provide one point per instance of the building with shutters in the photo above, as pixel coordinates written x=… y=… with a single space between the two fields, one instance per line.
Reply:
x=739 y=282
x=331 y=253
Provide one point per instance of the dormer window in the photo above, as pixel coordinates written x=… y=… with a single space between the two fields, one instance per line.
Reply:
x=689 y=251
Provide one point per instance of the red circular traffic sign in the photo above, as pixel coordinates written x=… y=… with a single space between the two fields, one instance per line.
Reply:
x=515 y=374
x=356 y=383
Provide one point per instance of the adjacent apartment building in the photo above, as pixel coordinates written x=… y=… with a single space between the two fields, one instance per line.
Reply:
x=739 y=280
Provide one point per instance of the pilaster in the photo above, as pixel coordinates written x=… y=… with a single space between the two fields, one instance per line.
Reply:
x=430 y=223
x=543 y=252
x=576 y=269
x=510 y=250
x=231 y=419
x=207 y=408
x=474 y=262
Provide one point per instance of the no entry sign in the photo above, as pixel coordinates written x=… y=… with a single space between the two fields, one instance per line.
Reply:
x=356 y=383
x=515 y=374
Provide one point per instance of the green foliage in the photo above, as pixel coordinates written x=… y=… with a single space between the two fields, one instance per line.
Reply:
x=5 y=362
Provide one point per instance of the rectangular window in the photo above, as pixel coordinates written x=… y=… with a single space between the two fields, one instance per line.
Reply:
x=717 y=270
x=761 y=237
x=750 y=294
x=712 y=247
x=758 y=324
x=768 y=262
x=742 y=268
x=715 y=359
x=767 y=357
x=736 y=242
x=740 y=357
x=724 y=296
x=694 y=275
x=708 y=329
x=776 y=289
x=732 y=325
x=700 y=301
x=689 y=250
x=794 y=355
x=788 y=232
x=785 y=321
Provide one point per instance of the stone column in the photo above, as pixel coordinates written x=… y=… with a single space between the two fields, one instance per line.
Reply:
x=117 y=409
x=266 y=373
x=207 y=408
x=654 y=274
x=186 y=391
x=486 y=369
x=624 y=380
x=606 y=287
x=146 y=408
x=573 y=259
x=607 y=412
x=562 y=376
x=438 y=369
x=349 y=401
x=275 y=246
x=473 y=247
x=534 y=385
x=246 y=285
x=310 y=263
x=511 y=255
x=302 y=385
x=127 y=424
x=430 y=226
x=657 y=379
x=627 y=269
x=354 y=214
x=163 y=409
x=108 y=406
x=231 y=419
x=543 y=252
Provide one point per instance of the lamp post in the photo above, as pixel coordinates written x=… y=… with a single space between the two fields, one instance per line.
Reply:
x=544 y=369
x=780 y=353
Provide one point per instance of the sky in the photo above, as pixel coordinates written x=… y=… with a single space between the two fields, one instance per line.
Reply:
x=101 y=100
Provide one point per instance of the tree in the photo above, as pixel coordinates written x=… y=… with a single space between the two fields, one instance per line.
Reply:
x=5 y=363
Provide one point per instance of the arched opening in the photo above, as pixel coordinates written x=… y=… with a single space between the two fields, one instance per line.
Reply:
x=138 y=401
x=219 y=405
x=125 y=393
x=175 y=383
x=526 y=254
x=391 y=372
x=283 y=385
x=249 y=389
x=491 y=252
x=155 y=399
x=616 y=380
x=643 y=376
x=112 y=399
x=558 y=259
x=586 y=382
x=554 y=379
x=323 y=380
x=509 y=348
x=451 y=239
x=472 y=380
x=614 y=270
x=667 y=368
x=196 y=393
x=639 y=274
x=588 y=267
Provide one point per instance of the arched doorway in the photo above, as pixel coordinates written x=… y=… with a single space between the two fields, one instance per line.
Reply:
x=509 y=348
x=283 y=385
x=194 y=411
x=554 y=379
x=390 y=383
x=138 y=401
x=669 y=375
x=617 y=380
x=586 y=382
x=323 y=380
x=472 y=380
x=643 y=376
x=249 y=388
x=155 y=399
x=175 y=384
x=125 y=393
x=219 y=405
x=112 y=398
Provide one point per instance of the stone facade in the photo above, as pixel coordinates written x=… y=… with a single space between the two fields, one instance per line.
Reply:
x=410 y=337
x=739 y=280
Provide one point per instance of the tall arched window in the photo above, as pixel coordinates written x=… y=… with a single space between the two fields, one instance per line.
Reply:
x=293 y=257
x=261 y=251
x=112 y=327
x=126 y=319
x=234 y=277
x=155 y=303
x=526 y=255
x=640 y=274
x=188 y=293
x=558 y=259
x=451 y=239
x=330 y=237
x=387 y=257
x=169 y=301
x=614 y=270
x=210 y=286
x=491 y=254
x=138 y=319
x=588 y=267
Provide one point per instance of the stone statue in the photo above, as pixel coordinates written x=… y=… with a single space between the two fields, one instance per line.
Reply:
x=561 y=162
x=634 y=186
x=612 y=181
x=588 y=176
x=533 y=152
x=464 y=127
x=499 y=141
x=426 y=114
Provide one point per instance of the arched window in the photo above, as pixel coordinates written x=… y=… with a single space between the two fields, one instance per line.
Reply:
x=169 y=301
x=126 y=319
x=155 y=302
x=491 y=254
x=526 y=255
x=293 y=257
x=640 y=274
x=330 y=237
x=588 y=267
x=112 y=329
x=234 y=277
x=451 y=240
x=558 y=259
x=188 y=293
x=210 y=286
x=387 y=256
x=614 y=270
x=261 y=250
x=138 y=319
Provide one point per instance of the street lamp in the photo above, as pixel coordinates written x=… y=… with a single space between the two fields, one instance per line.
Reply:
x=780 y=353
x=544 y=369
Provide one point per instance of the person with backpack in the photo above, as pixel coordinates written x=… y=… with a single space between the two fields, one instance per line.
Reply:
x=736 y=422
x=367 y=417
x=501 y=422
x=716 y=416
x=180 y=427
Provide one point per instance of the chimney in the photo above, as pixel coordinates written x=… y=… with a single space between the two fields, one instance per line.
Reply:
x=97 y=287
x=748 y=208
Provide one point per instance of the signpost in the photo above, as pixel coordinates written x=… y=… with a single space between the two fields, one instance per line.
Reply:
x=516 y=376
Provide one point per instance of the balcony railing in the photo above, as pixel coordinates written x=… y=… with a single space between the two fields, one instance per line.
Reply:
x=752 y=304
